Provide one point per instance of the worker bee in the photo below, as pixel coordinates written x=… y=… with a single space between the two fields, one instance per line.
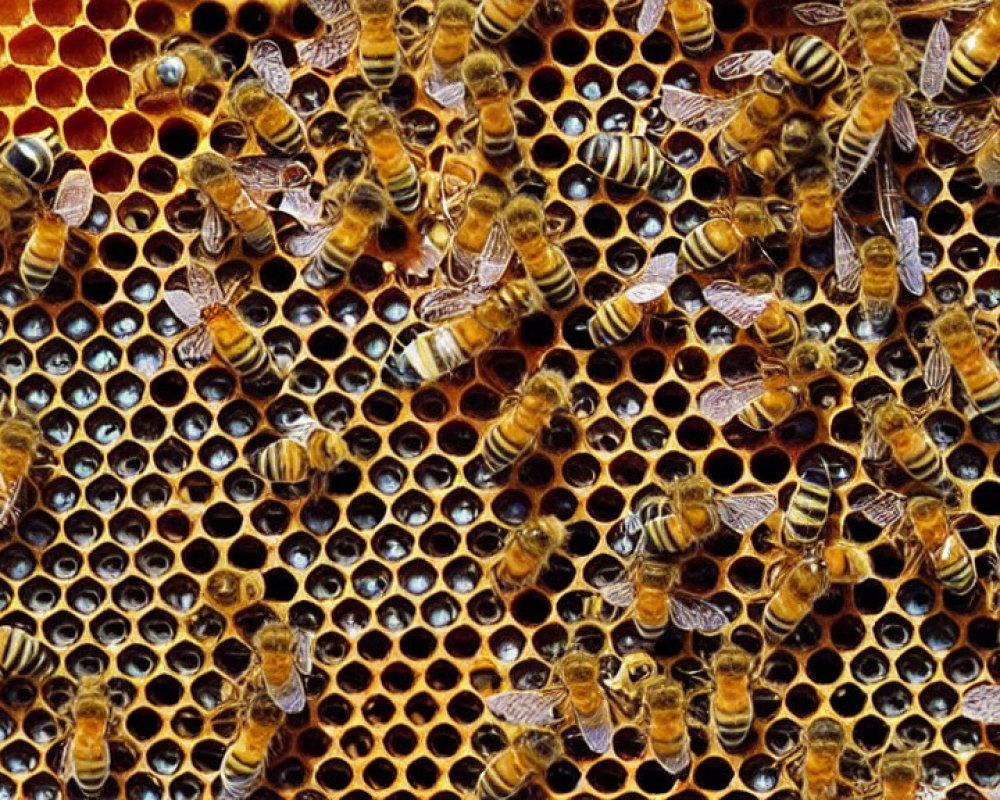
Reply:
x=690 y=512
x=545 y=264
x=284 y=654
x=379 y=55
x=629 y=160
x=214 y=325
x=524 y=417
x=816 y=767
x=484 y=78
x=87 y=757
x=808 y=507
x=733 y=672
x=760 y=403
x=892 y=433
x=581 y=693
x=307 y=450
x=756 y=305
x=665 y=705
x=498 y=19
x=718 y=240
x=44 y=250
x=531 y=753
x=800 y=136
x=846 y=562
x=816 y=196
x=259 y=102
x=21 y=654
x=343 y=27
x=479 y=249
x=26 y=165
x=974 y=130
x=972 y=56
x=526 y=552
x=20 y=439
x=692 y=20
x=379 y=133
x=616 y=318
x=901 y=776
x=447 y=48
x=794 y=589
x=244 y=760
x=179 y=72
x=441 y=350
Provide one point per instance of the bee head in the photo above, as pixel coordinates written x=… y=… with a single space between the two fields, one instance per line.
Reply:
x=808 y=577
x=483 y=74
x=369 y=115
x=825 y=732
x=525 y=218
x=808 y=356
x=870 y=16
x=901 y=767
x=551 y=385
x=456 y=14
x=732 y=660
x=545 y=535
x=205 y=168
x=275 y=637
x=579 y=667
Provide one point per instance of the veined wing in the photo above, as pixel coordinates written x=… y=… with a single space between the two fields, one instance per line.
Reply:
x=721 y=403
x=202 y=284
x=738 y=305
x=847 y=264
x=300 y=204
x=303 y=651
x=650 y=15
x=183 y=306
x=527 y=708
x=817 y=14
x=289 y=696
x=495 y=258
x=308 y=241
x=690 y=613
x=446 y=93
x=935 y=63
x=74 y=198
x=982 y=704
x=270 y=173
x=195 y=348
x=885 y=509
x=747 y=64
x=619 y=593
x=904 y=129
x=324 y=52
x=744 y=512
x=911 y=268
x=266 y=61
x=446 y=302
x=697 y=112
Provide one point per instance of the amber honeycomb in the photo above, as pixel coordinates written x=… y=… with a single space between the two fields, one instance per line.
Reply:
x=151 y=490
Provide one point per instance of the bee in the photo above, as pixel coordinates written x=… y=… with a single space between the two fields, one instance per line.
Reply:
x=817 y=768
x=973 y=55
x=20 y=439
x=616 y=318
x=498 y=19
x=846 y=562
x=214 y=325
x=479 y=249
x=959 y=347
x=26 y=165
x=87 y=757
x=760 y=404
x=526 y=415
x=526 y=552
x=733 y=670
x=902 y=772
x=627 y=159
x=441 y=350
x=284 y=654
x=545 y=264
x=355 y=213
x=447 y=49
x=692 y=20
x=808 y=507
x=718 y=240
x=21 y=654
x=649 y=591
x=799 y=137
x=581 y=693
x=244 y=760
x=756 y=305
x=260 y=102
x=379 y=56
x=892 y=433
x=484 y=78
x=797 y=587
x=380 y=135
x=180 y=73
x=308 y=449
x=665 y=705
x=816 y=196
x=44 y=250
x=531 y=753
x=690 y=512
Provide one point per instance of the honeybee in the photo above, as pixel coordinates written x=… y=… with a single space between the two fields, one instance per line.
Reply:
x=974 y=131
x=544 y=263
x=733 y=672
x=795 y=588
x=87 y=757
x=817 y=768
x=343 y=28
x=214 y=325
x=437 y=352
x=26 y=165
x=526 y=552
x=665 y=704
x=244 y=760
x=892 y=433
x=616 y=318
x=973 y=55
x=756 y=305
x=627 y=159
x=527 y=413
x=498 y=19
x=959 y=347
x=354 y=214
x=846 y=562
x=692 y=20
x=928 y=537
x=531 y=753
x=718 y=240
x=690 y=512
x=816 y=196
x=648 y=590
x=284 y=654
x=479 y=249
x=179 y=72
x=43 y=252
x=379 y=55
x=21 y=654
x=484 y=78
x=760 y=404
x=20 y=439
x=448 y=46
x=800 y=136
x=901 y=775
x=581 y=693
x=307 y=450
x=379 y=132
x=259 y=102
x=808 y=507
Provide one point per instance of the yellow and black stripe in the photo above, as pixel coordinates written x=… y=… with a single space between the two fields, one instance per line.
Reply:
x=626 y=159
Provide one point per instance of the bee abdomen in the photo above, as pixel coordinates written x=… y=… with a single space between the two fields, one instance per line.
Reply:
x=379 y=71
x=22 y=654
x=32 y=157
x=404 y=189
x=610 y=326
x=499 y=450
x=733 y=728
x=558 y=285
x=283 y=461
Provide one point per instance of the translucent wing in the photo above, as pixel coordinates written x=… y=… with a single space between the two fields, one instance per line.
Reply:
x=874 y=448
x=422 y=264
x=300 y=430
x=911 y=268
x=74 y=198
x=448 y=301
x=697 y=111
x=972 y=133
x=721 y=403
x=743 y=65
x=308 y=241
x=847 y=263
x=202 y=284
x=183 y=306
x=646 y=290
x=935 y=64
x=620 y=593
x=740 y=306
x=662 y=267
x=326 y=51
x=939 y=120
x=937 y=370
x=885 y=509
x=303 y=651
x=744 y=512
x=819 y=13
x=903 y=126
x=650 y=15
x=266 y=61
x=9 y=513
x=982 y=704
x=691 y=613
x=300 y=204
x=597 y=729
x=847 y=176
x=527 y=708
x=213 y=230
x=330 y=11
x=926 y=792
x=195 y=348
x=271 y=174
x=495 y=257
x=674 y=763
x=446 y=93
x=289 y=696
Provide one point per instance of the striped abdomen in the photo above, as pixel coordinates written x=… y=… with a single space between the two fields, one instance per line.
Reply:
x=808 y=508
x=629 y=160
x=22 y=654
x=693 y=22
x=238 y=345
x=284 y=461
x=497 y=19
x=665 y=532
x=954 y=565
x=549 y=270
x=614 y=321
x=974 y=54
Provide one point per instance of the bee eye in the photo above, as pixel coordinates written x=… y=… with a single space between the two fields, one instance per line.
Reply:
x=171 y=71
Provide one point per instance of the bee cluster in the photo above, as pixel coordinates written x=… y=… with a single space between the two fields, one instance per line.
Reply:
x=430 y=398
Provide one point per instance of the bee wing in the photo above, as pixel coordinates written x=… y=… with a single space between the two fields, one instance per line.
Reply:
x=845 y=176
x=290 y=696
x=646 y=291
x=619 y=593
x=213 y=230
x=184 y=306
x=308 y=241
x=597 y=729
x=650 y=15
x=911 y=268
x=972 y=133
x=982 y=704
x=270 y=174
x=202 y=284
x=330 y=11
x=691 y=613
x=425 y=261
x=674 y=764
x=721 y=403
x=8 y=513
x=940 y=120
x=495 y=258
x=266 y=61
x=817 y=14
x=743 y=65
x=903 y=126
x=695 y=111
x=446 y=93
x=449 y=301
x=325 y=51
x=303 y=651
x=300 y=430
x=937 y=370
x=926 y=792
x=874 y=448
x=301 y=205
x=884 y=509
x=195 y=348
x=847 y=264
x=744 y=512
x=527 y=708
x=935 y=64
x=735 y=303
x=631 y=527
x=74 y=198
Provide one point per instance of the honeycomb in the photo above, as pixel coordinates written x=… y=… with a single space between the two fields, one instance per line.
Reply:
x=388 y=567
